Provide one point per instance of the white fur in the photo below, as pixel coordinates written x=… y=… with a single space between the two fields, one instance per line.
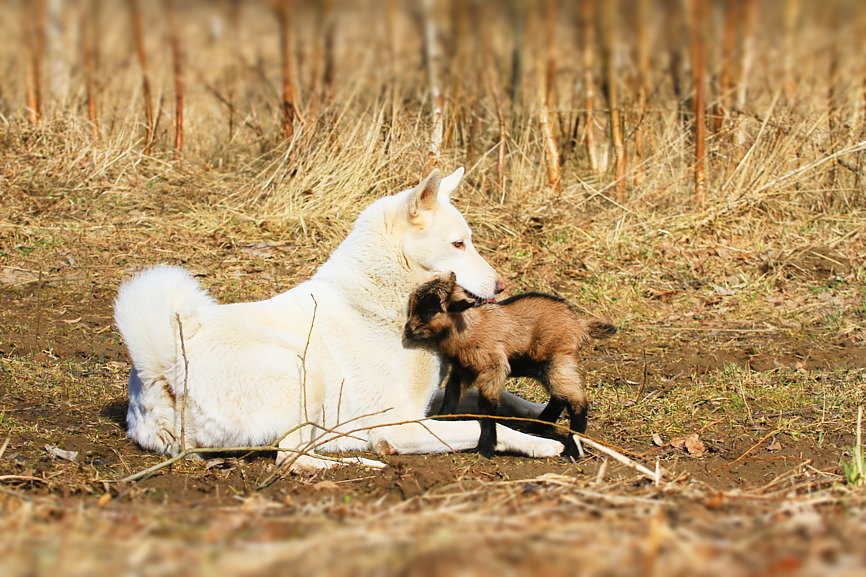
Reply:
x=244 y=379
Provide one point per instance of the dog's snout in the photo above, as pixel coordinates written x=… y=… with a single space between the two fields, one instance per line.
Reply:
x=500 y=286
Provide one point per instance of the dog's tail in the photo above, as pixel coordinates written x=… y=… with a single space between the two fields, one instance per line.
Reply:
x=147 y=310
x=600 y=329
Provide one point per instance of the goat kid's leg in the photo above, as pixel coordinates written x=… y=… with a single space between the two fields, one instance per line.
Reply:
x=490 y=383
x=550 y=414
x=552 y=411
x=453 y=390
x=566 y=385
x=487 y=440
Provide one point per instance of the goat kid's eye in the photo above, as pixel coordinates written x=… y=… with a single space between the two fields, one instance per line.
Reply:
x=459 y=244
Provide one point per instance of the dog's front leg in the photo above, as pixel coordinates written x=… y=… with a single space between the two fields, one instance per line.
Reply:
x=430 y=436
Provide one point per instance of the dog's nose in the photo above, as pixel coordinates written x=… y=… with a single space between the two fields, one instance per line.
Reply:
x=500 y=286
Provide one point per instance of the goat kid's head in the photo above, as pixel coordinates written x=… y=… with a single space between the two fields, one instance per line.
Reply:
x=430 y=303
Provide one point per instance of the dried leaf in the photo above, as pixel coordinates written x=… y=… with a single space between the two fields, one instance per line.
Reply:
x=103 y=501
x=774 y=446
x=60 y=453
x=691 y=444
x=657 y=440
x=695 y=446
x=325 y=486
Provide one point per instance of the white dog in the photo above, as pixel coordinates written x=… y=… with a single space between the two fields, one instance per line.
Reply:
x=318 y=361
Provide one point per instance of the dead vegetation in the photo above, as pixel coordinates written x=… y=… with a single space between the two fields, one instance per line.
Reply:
x=740 y=361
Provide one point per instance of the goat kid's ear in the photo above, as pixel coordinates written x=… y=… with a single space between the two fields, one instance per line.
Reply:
x=424 y=196
x=431 y=304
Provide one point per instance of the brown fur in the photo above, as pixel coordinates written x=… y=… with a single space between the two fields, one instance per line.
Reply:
x=531 y=335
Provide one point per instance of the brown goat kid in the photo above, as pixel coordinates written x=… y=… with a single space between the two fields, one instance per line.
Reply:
x=529 y=335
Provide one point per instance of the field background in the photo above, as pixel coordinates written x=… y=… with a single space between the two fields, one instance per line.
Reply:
x=693 y=170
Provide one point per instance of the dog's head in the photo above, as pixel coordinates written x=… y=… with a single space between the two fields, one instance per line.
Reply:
x=437 y=238
x=429 y=303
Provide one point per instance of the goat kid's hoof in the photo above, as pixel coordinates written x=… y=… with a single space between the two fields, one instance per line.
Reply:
x=485 y=452
x=571 y=454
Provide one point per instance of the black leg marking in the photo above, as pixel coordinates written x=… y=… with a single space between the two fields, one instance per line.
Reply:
x=552 y=411
x=487 y=439
x=453 y=390
x=577 y=423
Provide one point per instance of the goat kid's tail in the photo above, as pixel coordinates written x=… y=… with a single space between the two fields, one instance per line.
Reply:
x=146 y=311
x=600 y=329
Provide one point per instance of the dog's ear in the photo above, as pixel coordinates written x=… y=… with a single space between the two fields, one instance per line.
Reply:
x=450 y=184
x=425 y=195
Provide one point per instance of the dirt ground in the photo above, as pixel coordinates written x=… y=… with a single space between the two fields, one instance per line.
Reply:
x=753 y=417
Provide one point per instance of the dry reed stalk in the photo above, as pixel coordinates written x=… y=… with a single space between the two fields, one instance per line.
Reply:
x=461 y=122
x=674 y=35
x=89 y=58
x=322 y=67
x=726 y=81
x=328 y=41
x=609 y=42
x=141 y=52
x=283 y=11
x=792 y=17
x=641 y=48
x=832 y=118
x=697 y=48
x=746 y=62
x=437 y=100
x=587 y=39
x=861 y=160
x=177 y=73
x=491 y=76
x=517 y=17
x=33 y=16
x=547 y=77
x=57 y=57
x=390 y=19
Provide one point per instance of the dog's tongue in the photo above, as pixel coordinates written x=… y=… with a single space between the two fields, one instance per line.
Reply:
x=488 y=301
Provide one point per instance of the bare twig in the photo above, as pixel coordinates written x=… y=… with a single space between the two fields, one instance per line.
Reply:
x=185 y=383
x=283 y=11
x=33 y=16
x=437 y=100
x=608 y=28
x=655 y=476
x=752 y=448
x=177 y=72
x=141 y=52
x=699 y=63
x=89 y=57
x=547 y=77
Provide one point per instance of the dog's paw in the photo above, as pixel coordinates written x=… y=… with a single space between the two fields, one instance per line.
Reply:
x=540 y=447
x=371 y=463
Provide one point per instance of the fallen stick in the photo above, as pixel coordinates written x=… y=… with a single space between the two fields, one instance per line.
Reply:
x=654 y=476
x=4 y=478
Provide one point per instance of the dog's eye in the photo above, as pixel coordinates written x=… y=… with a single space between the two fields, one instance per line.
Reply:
x=459 y=244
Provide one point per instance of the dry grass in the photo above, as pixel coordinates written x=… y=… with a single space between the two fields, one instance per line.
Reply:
x=743 y=320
